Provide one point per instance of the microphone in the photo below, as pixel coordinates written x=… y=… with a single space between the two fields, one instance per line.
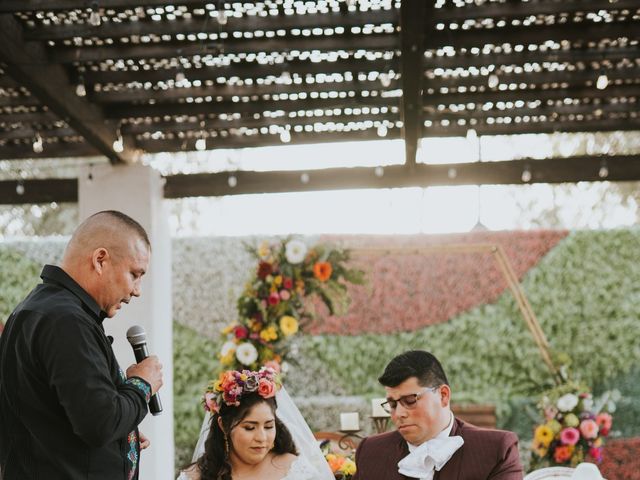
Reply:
x=138 y=339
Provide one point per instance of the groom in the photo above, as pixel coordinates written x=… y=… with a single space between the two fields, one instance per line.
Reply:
x=430 y=443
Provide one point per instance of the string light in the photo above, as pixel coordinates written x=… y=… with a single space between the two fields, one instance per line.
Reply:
x=94 y=16
x=472 y=135
x=603 y=81
x=382 y=130
x=20 y=188
x=38 y=146
x=526 y=175
x=385 y=80
x=81 y=90
x=493 y=81
x=285 y=135
x=181 y=78
x=118 y=143
x=304 y=178
x=379 y=172
x=604 y=170
x=201 y=144
x=232 y=181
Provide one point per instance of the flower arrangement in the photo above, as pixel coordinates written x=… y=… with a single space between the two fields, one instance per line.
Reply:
x=233 y=384
x=343 y=467
x=273 y=306
x=574 y=428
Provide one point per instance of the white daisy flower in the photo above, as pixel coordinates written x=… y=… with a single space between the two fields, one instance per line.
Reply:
x=246 y=353
x=295 y=251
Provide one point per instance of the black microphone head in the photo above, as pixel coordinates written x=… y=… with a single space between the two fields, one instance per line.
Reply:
x=136 y=335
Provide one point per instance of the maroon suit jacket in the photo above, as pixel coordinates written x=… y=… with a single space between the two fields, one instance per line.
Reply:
x=486 y=454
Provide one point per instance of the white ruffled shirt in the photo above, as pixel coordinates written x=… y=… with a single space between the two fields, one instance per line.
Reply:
x=424 y=459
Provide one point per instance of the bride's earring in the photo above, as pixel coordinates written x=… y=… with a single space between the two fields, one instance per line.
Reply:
x=226 y=446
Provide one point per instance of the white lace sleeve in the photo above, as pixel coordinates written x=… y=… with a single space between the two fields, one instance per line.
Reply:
x=301 y=469
x=191 y=475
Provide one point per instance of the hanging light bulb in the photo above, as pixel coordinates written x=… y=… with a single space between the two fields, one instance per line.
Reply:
x=304 y=178
x=94 y=16
x=81 y=90
x=118 y=143
x=232 y=181
x=180 y=78
x=379 y=172
x=385 y=79
x=493 y=81
x=222 y=17
x=285 y=135
x=602 y=81
x=382 y=130
x=37 y=144
x=201 y=144
x=604 y=170
x=20 y=188
x=472 y=135
x=526 y=175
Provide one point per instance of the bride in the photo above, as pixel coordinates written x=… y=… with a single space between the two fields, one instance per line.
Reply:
x=254 y=432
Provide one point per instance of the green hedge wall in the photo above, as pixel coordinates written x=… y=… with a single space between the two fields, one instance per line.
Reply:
x=585 y=293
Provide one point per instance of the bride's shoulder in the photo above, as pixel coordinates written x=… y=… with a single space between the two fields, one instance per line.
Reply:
x=300 y=469
x=285 y=460
x=191 y=473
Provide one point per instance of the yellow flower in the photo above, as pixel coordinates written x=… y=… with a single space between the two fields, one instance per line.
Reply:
x=217 y=386
x=228 y=358
x=288 y=325
x=348 y=467
x=269 y=334
x=243 y=377
x=278 y=280
x=543 y=435
x=263 y=250
x=555 y=426
x=227 y=330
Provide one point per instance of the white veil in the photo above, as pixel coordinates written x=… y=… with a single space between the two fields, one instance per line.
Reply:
x=303 y=438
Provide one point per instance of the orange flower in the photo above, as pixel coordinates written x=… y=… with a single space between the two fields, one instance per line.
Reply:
x=322 y=271
x=563 y=453
x=335 y=462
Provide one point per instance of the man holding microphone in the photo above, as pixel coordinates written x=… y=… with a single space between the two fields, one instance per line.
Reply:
x=67 y=411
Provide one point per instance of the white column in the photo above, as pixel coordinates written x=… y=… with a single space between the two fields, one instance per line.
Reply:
x=138 y=191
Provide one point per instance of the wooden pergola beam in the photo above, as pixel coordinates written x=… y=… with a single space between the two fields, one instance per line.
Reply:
x=119 y=111
x=413 y=17
x=573 y=56
x=372 y=42
x=206 y=24
x=50 y=150
x=530 y=34
x=241 y=70
x=235 y=141
x=228 y=91
x=16 y=6
x=548 y=127
x=27 y=63
x=518 y=9
x=553 y=170
x=556 y=170
x=481 y=98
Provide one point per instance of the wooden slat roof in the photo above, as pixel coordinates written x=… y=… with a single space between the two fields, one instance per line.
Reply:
x=246 y=74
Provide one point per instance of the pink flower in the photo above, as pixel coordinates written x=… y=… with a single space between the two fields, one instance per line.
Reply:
x=273 y=365
x=274 y=299
x=266 y=389
x=210 y=402
x=569 y=436
x=287 y=283
x=284 y=295
x=596 y=453
x=589 y=428
x=604 y=421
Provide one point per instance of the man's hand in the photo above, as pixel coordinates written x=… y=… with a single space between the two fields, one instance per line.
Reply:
x=144 y=441
x=150 y=370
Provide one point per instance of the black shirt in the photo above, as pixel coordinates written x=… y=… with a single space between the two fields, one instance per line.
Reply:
x=66 y=410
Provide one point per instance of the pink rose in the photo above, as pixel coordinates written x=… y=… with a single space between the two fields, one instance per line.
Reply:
x=266 y=388
x=210 y=402
x=569 y=436
x=274 y=298
x=273 y=365
x=284 y=295
x=604 y=421
x=596 y=453
x=589 y=428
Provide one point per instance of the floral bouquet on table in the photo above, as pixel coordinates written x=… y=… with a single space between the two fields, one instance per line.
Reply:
x=343 y=467
x=273 y=306
x=574 y=428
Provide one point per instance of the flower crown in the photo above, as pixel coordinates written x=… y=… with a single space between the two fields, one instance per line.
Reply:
x=231 y=385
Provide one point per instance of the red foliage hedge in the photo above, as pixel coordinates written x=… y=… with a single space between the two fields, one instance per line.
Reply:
x=621 y=459
x=408 y=292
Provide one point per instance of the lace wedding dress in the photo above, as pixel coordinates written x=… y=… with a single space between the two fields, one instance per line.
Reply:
x=310 y=464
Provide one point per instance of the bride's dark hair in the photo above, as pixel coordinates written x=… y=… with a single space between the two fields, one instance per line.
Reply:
x=214 y=463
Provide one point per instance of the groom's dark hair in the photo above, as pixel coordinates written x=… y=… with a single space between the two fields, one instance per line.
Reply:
x=414 y=363
x=214 y=463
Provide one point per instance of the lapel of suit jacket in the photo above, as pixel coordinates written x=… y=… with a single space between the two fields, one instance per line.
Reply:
x=401 y=451
x=451 y=471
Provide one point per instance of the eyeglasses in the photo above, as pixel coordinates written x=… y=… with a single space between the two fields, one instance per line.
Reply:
x=407 y=401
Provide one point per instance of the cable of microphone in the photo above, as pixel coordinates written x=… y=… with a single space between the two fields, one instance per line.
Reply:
x=137 y=337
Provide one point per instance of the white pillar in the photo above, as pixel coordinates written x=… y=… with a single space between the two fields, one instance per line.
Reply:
x=138 y=191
